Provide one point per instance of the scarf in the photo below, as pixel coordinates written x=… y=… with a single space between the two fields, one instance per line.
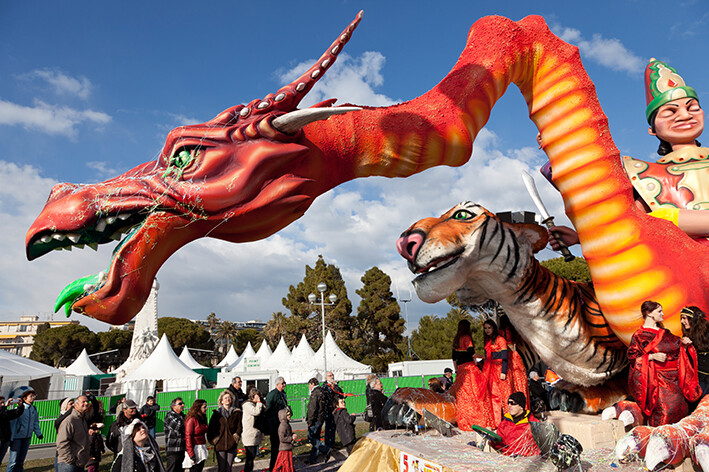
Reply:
x=146 y=454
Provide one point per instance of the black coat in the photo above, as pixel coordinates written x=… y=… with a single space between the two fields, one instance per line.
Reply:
x=147 y=414
x=5 y=417
x=377 y=399
x=316 y=407
x=344 y=423
x=239 y=396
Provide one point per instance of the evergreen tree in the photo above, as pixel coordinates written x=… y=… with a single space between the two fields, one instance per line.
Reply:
x=183 y=332
x=379 y=323
x=433 y=338
x=306 y=318
x=62 y=345
x=575 y=270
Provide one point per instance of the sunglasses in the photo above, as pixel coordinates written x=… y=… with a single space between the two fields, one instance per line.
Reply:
x=511 y=403
x=179 y=404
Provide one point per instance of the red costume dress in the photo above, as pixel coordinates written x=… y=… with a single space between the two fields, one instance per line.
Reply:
x=660 y=388
x=470 y=387
x=516 y=434
x=515 y=366
x=495 y=365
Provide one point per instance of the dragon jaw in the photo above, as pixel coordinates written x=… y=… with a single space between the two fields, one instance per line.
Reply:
x=224 y=178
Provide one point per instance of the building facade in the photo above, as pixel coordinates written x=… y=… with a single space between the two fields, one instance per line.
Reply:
x=17 y=337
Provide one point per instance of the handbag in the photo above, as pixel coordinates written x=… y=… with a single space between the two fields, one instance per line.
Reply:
x=368 y=414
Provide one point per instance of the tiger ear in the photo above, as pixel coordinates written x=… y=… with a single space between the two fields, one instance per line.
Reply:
x=535 y=234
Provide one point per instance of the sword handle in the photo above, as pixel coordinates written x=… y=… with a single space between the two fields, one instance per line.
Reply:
x=563 y=248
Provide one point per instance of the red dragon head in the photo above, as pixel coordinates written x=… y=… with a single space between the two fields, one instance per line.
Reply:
x=240 y=177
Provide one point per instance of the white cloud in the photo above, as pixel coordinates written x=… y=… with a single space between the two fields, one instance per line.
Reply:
x=610 y=53
x=351 y=80
x=51 y=119
x=63 y=84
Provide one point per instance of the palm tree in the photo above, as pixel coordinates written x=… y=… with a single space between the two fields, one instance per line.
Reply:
x=225 y=334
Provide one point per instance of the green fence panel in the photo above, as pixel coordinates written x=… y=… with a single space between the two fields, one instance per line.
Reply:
x=297 y=390
x=210 y=395
x=49 y=435
x=356 y=404
x=389 y=384
x=165 y=398
x=47 y=408
x=299 y=407
x=353 y=386
x=415 y=381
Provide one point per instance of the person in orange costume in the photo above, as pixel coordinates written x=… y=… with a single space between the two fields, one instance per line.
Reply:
x=515 y=366
x=515 y=429
x=662 y=379
x=470 y=387
x=495 y=370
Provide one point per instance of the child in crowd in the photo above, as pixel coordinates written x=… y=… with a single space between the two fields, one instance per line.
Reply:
x=96 y=447
x=344 y=422
x=284 y=461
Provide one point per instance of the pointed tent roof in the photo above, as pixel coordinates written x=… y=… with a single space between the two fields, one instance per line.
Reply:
x=299 y=367
x=83 y=366
x=248 y=352
x=279 y=358
x=189 y=361
x=337 y=360
x=264 y=352
x=14 y=367
x=230 y=358
x=162 y=364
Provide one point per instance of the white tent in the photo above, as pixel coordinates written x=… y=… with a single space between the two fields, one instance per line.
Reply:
x=248 y=353
x=83 y=366
x=299 y=368
x=264 y=352
x=189 y=361
x=339 y=363
x=279 y=358
x=162 y=365
x=231 y=358
x=16 y=371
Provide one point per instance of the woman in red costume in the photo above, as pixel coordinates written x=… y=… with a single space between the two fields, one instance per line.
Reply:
x=473 y=403
x=661 y=378
x=495 y=370
x=515 y=366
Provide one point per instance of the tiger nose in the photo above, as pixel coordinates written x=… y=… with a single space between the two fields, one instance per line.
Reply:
x=408 y=245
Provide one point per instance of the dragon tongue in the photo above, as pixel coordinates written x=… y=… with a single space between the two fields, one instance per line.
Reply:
x=73 y=292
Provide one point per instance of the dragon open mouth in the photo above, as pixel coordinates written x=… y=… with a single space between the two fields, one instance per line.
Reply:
x=437 y=264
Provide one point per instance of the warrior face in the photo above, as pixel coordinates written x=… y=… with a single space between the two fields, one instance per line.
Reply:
x=679 y=122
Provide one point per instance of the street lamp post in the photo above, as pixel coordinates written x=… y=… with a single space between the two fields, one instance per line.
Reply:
x=312 y=298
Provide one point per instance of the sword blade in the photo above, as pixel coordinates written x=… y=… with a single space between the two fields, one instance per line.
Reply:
x=532 y=190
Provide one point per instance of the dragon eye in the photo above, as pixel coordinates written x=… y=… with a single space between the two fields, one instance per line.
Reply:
x=181 y=160
x=462 y=215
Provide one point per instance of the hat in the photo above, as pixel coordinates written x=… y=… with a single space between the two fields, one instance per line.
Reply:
x=133 y=424
x=447 y=370
x=519 y=398
x=662 y=85
x=129 y=404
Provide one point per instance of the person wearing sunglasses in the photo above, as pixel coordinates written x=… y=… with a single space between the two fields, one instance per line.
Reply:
x=515 y=429
x=175 y=436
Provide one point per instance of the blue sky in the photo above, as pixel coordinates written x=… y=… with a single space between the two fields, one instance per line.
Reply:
x=88 y=90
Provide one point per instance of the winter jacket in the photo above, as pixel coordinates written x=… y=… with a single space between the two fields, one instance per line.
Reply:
x=195 y=433
x=174 y=432
x=95 y=449
x=344 y=424
x=285 y=432
x=7 y=415
x=61 y=418
x=114 y=440
x=516 y=434
x=239 y=395
x=147 y=414
x=73 y=440
x=377 y=399
x=330 y=394
x=316 y=407
x=221 y=429
x=251 y=436
x=275 y=402
x=27 y=423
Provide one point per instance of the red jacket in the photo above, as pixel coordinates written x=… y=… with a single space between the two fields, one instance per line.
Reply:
x=195 y=433
x=517 y=437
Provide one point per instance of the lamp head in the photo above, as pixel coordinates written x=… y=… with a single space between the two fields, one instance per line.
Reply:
x=322 y=287
x=312 y=298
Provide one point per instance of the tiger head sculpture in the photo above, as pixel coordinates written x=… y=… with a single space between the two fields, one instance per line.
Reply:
x=462 y=246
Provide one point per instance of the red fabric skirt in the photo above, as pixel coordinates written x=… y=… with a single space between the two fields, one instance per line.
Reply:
x=516 y=370
x=472 y=398
x=284 y=462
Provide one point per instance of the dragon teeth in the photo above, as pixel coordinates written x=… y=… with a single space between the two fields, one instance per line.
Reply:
x=117 y=236
x=46 y=238
x=101 y=225
x=94 y=246
x=59 y=236
x=79 y=246
x=110 y=220
x=73 y=237
x=124 y=216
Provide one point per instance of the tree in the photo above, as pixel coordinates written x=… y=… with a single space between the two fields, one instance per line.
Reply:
x=433 y=339
x=246 y=336
x=224 y=335
x=379 y=323
x=62 y=345
x=290 y=328
x=115 y=339
x=183 y=332
x=306 y=317
x=575 y=270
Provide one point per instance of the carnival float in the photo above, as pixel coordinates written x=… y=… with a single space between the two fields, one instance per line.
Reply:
x=255 y=168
